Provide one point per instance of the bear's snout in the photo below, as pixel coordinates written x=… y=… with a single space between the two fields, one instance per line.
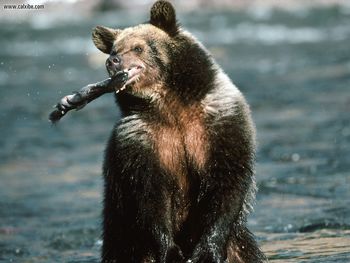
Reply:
x=113 y=64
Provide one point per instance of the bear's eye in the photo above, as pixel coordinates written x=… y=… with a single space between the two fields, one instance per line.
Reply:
x=138 y=49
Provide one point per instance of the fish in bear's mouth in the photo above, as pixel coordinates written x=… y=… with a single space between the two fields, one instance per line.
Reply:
x=133 y=75
x=117 y=82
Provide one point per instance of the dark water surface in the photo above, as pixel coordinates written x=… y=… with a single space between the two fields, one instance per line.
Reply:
x=293 y=67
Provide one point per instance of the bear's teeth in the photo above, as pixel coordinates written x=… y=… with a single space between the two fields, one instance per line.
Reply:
x=119 y=90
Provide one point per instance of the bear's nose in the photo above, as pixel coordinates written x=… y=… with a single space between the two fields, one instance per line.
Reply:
x=114 y=62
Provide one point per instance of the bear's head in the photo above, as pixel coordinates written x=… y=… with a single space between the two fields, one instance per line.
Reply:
x=158 y=56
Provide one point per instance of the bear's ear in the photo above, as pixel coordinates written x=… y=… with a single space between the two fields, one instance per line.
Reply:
x=104 y=37
x=163 y=16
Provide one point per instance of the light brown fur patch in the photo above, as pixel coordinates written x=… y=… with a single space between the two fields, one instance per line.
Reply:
x=137 y=36
x=181 y=140
x=171 y=152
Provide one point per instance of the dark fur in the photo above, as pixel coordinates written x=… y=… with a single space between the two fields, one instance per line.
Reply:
x=153 y=214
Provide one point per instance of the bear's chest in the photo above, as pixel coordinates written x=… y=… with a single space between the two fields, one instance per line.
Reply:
x=181 y=148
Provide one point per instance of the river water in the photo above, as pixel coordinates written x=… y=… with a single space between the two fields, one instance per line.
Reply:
x=292 y=66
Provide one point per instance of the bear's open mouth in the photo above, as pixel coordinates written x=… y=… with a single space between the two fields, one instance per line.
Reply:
x=133 y=74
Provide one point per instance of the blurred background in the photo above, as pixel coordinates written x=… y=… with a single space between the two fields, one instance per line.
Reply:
x=291 y=59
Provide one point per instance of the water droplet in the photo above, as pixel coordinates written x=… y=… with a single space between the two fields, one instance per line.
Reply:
x=288 y=227
x=295 y=157
x=99 y=242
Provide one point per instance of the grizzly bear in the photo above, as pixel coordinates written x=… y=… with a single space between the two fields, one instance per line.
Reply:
x=179 y=165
